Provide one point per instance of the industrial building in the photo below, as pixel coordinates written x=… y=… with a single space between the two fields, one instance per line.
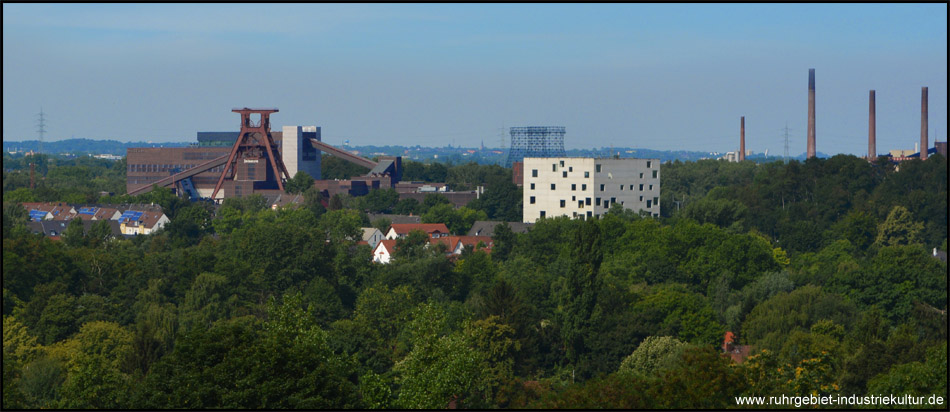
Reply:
x=253 y=160
x=587 y=187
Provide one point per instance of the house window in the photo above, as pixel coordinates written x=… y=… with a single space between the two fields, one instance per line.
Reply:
x=562 y=203
x=587 y=201
x=613 y=200
x=554 y=167
x=601 y=188
x=580 y=204
x=641 y=175
x=532 y=186
x=607 y=204
x=597 y=201
x=564 y=174
x=641 y=187
x=542 y=213
x=552 y=186
x=631 y=187
x=584 y=187
x=641 y=198
x=590 y=214
x=648 y=203
x=598 y=168
x=573 y=186
x=654 y=173
x=649 y=163
x=570 y=169
x=562 y=163
x=656 y=200
x=651 y=187
x=534 y=173
x=587 y=174
x=621 y=188
x=532 y=200
x=573 y=198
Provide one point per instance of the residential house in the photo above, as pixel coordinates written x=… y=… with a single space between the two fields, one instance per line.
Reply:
x=98 y=213
x=401 y=230
x=487 y=227
x=287 y=200
x=383 y=251
x=372 y=236
x=49 y=211
x=454 y=246
x=142 y=219
x=54 y=229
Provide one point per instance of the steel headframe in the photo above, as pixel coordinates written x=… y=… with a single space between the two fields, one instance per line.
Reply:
x=254 y=136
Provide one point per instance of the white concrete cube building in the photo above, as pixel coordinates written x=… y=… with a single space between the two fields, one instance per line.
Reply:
x=586 y=187
x=297 y=152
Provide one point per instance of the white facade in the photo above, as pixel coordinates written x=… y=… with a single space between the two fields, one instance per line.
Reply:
x=296 y=151
x=587 y=187
x=372 y=236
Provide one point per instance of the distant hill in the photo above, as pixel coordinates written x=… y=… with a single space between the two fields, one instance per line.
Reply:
x=447 y=154
x=77 y=146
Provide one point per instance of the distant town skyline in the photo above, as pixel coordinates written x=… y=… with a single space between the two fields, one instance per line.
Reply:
x=656 y=76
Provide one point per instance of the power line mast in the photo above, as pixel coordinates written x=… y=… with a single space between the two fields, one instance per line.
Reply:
x=785 y=156
x=501 y=137
x=41 y=129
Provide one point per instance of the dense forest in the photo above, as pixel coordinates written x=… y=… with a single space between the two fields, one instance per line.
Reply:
x=825 y=267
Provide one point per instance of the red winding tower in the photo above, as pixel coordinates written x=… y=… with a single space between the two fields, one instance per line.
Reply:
x=254 y=161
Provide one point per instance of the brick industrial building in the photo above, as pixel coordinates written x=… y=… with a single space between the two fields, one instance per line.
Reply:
x=254 y=160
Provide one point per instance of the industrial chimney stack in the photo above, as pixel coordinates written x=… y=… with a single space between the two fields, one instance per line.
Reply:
x=811 y=114
x=742 y=139
x=923 y=124
x=872 y=128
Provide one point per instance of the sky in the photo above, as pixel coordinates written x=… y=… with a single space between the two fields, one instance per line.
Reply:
x=657 y=76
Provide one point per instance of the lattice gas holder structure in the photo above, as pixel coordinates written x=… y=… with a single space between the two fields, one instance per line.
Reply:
x=535 y=141
x=254 y=147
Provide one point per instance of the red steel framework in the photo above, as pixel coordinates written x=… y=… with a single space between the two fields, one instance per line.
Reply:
x=255 y=138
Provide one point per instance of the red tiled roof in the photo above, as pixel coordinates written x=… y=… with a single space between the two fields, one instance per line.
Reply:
x=389 y=244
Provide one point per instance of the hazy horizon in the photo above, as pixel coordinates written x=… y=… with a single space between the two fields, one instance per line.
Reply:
x=654 y=76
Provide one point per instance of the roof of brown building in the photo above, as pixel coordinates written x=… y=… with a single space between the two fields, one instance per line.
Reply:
x=405 y=228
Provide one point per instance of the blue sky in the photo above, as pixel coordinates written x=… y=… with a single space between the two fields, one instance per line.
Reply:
x=664 y=76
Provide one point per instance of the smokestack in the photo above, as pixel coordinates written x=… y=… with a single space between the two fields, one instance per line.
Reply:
x=923 y=124
x=742 y=138
x=811 y=114
x=872 y=128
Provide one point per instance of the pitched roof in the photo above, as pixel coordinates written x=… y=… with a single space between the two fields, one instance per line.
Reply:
x=286 y=199
x=49 y=227
x=473 y=241
x=405 y=228
x=389 y=244
x=487 y=227
x=96 y=213
x=369 y=231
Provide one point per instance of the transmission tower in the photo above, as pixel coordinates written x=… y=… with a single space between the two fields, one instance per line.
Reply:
x=501 y=137
x=41 y=129
x=785 y=156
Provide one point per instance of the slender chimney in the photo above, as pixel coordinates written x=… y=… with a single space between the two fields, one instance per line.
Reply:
x=872 y=128
x=811 y=114
x=923 y=124
x=742 y=138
